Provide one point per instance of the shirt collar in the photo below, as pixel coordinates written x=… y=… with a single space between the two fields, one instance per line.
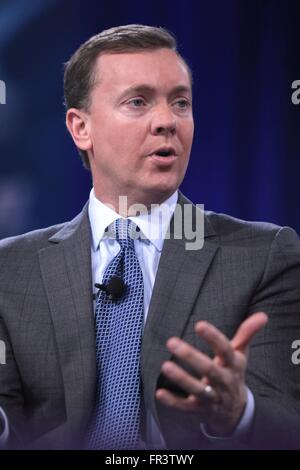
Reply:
x=153 y=225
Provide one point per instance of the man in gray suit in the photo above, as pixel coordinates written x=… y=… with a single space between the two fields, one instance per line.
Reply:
x=216 y=371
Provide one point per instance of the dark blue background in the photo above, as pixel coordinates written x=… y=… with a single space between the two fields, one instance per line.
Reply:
x=245 y=56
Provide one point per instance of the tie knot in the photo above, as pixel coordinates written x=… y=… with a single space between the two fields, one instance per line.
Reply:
x=125 y=231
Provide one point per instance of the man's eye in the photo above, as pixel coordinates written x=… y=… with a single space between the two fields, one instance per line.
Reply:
x=136 y=102
x=182 y=104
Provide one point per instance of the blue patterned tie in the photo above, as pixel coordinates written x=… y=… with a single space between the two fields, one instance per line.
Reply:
x=119 y=324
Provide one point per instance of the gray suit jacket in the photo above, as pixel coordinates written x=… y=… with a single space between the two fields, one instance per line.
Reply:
x=47 y=386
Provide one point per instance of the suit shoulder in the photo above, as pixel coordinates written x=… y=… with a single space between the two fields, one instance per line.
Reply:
x=31 y=240
x=228 y=227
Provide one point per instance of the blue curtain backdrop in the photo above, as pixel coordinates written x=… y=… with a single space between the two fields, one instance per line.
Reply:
x=244 y=55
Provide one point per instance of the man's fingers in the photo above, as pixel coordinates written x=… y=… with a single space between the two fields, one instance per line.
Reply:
x=199 y=362
x=181 y=378
x=187 y=382
x=247 y=330
x=169 y=399
x=219 y=343
x=189 y=404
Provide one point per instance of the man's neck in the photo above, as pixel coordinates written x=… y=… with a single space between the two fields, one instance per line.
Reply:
x=129 y=207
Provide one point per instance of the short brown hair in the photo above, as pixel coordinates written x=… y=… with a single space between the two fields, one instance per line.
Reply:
x=79 y=76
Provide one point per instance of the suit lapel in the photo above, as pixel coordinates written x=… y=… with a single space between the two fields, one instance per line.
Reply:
x=180 y=276
x=66 y=272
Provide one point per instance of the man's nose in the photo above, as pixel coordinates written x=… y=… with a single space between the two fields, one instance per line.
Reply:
x=163 y=121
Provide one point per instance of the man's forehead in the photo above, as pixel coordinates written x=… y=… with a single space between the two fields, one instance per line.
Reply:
x=142 y=68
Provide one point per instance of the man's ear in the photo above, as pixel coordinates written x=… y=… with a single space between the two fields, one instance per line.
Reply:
x=77 y=123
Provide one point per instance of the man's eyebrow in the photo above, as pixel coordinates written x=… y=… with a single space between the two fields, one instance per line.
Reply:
x=181 y=89
x=147 y=89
